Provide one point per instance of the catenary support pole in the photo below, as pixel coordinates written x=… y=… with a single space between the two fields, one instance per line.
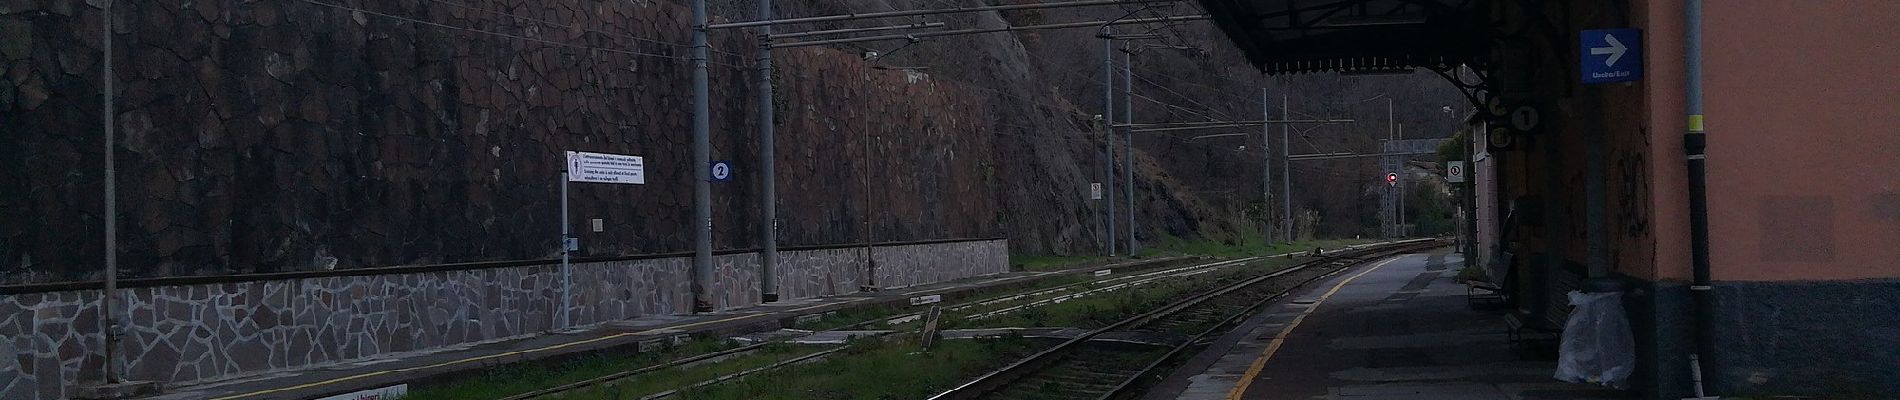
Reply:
x=702 y=172
x=1391 y=130
x=1128 y=144
x=108 y=319
x=768 y=180
x=1108 y=137
x=1266 y=168
x=567 y=247
x=870 y=254
x=1470 y=197
x=1695 y=149
x=1286 y=167
x=1400 y=164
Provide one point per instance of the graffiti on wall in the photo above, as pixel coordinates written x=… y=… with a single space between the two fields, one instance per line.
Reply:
x=1632 y=199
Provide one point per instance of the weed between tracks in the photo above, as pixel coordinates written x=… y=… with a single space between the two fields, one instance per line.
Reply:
x=872 y=369
x=1247 y=245
x=1105 y=308
x=846 y=318
x=673 y=378
x=893 y=369
x=1244 y=245
x=1051 y=262
x=508 y=380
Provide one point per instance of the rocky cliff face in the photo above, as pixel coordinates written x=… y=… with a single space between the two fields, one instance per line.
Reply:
x=291 y=135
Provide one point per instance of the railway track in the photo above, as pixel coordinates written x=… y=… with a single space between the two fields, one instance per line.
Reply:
x=1105 y=363
x=1084 y=375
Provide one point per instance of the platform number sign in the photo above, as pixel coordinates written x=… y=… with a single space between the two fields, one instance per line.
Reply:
x=1455 y=171
x=721 y=171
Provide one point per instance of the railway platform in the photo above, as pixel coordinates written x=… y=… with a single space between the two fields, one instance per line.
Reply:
x=1399 y=328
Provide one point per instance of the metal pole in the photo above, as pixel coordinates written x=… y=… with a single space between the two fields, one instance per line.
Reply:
x=1266 y=168
x=768 y=180
x=1695 y=150
x=907 y=13
x=109 y=319
x=1108 y=139
x=567 y=284
x=1470 y=198
x=1391 y=133
x=1400 y=167
x=702 y=172
x=870 y=257
x=1128 y=134
x=1286 y=167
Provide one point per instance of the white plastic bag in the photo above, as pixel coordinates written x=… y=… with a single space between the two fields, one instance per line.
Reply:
x=1597 y=345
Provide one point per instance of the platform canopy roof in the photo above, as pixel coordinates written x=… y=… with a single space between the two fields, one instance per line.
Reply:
x=1369 y=36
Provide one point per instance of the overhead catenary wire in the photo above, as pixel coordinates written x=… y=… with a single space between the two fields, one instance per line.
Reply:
x=908 y=13
x=1182 y=96
x=1012 y=28
x=1085 y=137
x=505 y=35
x=571 y=27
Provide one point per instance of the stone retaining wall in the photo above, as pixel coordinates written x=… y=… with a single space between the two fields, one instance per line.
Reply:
x=195 y=333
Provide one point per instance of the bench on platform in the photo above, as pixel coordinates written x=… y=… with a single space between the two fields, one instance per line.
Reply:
x=1522 y=333
x=1483 y=293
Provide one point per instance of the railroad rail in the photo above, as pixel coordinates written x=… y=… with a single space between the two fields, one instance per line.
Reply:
x=1035 y=298
x=1093 y=366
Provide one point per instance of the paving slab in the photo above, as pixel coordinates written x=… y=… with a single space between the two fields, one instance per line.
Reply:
x=1399 y=328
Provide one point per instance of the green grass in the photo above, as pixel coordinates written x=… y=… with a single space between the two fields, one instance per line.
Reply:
x=1243 y=245
x=508 y=380
x=676 y=378
x=1025 y=262
x=891 y=369
x=1246 y=245
x=844 y=318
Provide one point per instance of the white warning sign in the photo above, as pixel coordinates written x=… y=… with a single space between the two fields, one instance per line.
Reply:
x=605 y=168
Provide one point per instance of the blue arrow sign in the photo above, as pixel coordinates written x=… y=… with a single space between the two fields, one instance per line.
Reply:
x=1611 y=55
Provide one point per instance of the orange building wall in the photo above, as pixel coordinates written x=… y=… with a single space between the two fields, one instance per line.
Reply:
x=1803 y=112
x=1663 y=84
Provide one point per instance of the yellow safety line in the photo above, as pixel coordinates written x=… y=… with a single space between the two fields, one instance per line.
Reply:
x=1260 y=363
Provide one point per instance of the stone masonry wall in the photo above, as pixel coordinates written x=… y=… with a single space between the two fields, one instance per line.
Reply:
x=271 y=136
x=196 y=333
